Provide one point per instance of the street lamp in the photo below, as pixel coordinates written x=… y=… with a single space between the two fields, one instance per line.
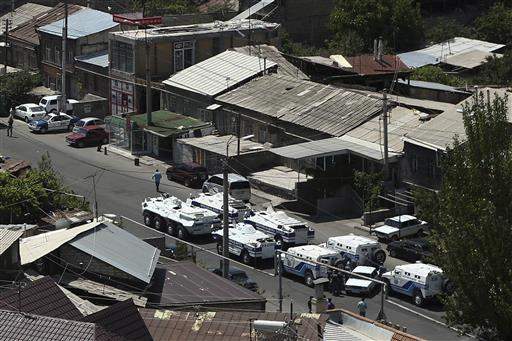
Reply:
x=225 y=208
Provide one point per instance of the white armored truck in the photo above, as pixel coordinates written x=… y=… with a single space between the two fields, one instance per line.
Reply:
x=285 y=229
x=237 y=209
x=298 y=259
x=246 y=242
x=420 y=281
x=170 y=214
x=357 y=250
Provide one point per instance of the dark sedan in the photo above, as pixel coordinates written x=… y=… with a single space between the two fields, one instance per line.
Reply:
x=410 y=249
x=189 y=173
x=91 y=135
x=239 y=277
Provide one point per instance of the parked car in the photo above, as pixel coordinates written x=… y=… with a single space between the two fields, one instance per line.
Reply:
x=53 y=122
x=190 y=174
x=239 y=187
x=239 y=277
x=51 y=103
x=87 y=136
x=399 y=227
x=360 y=286
x=87 y=121
x=417 y=249
x=29 y=112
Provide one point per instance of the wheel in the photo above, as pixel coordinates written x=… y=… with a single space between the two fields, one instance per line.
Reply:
x=246 y=258
x=219 y=248
x=181 y=232
x=44 y=130
x=81 y=144
x=172 y=229
x=70 y=127
x=418 y=298
x=160 y=224
x=148 y=219
x=308 y=279
x=380 y=257
x=393 y=253
x=27 y=119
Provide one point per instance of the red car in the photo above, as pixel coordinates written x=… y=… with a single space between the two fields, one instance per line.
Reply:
x=90 y=135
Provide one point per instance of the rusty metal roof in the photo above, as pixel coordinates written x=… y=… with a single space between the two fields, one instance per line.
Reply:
x=319 y=107
x=367 y=65
x=27 y=32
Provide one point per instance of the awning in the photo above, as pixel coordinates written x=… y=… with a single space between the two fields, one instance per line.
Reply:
x=331 y=147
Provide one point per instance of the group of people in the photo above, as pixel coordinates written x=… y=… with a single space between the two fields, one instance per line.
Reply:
x=362 y=306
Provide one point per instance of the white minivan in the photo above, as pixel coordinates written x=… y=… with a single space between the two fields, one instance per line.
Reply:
x=51 y=103
x=239 y=187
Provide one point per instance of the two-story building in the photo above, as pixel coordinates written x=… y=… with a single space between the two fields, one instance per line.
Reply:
x=87 y=33
x=171 y=49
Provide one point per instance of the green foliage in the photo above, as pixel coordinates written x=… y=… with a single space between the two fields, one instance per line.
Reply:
x=399 y=22
x=159 y=7
x=427 y=206
x=497 y=71
x=369 y=187
x=430 y=73
x=495 y=25
x=181 y=251
x=444 y=29
x=288 y=46
x=474 y=233
x=15 y=86
x=24 y=199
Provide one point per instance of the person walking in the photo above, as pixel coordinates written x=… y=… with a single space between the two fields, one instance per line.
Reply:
x=310 y=304
x=10 y=122
x=362 y=306
x=157 y=176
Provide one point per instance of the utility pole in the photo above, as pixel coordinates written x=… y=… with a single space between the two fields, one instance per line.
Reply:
x=64 y=57
x=6 y=33
x=225 y=216
x=95 y=199
x=385 y=119
x=280 y=273
x=149 y=105
x=239 y=131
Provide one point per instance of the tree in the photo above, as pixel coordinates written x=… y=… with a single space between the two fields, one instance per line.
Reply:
x=369 y=187
x=25 y=200
x=495 y=25
x=444 y=29
x=496 y=71
x=474 y=232
x=430 y=73
x=399 y=22
x=15 y=86
x=158 y=7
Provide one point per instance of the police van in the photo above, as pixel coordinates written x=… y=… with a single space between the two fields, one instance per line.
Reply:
x=285 y=229
x=297 y=261
x=420 y=281
x=357 y=250
x=237 y=209
x=248 y=243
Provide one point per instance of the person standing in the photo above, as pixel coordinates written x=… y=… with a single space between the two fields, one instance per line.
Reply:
x=310 y=304
x=157 y=176
x=362 y=306
x=10 y=122
x=330 y=304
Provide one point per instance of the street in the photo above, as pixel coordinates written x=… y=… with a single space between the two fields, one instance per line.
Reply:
x=121 y=187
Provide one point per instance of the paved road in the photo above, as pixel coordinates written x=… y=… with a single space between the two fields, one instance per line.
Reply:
x=121 y=187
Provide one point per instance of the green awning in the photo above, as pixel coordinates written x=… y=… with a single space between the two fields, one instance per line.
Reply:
x=167 y=123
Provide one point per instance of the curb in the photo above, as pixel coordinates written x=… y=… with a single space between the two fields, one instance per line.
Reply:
x=124 y=154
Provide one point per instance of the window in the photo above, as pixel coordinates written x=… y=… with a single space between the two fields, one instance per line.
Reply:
x=184 y=55
x=122 y=56
x=57 y=56
x=48 y=54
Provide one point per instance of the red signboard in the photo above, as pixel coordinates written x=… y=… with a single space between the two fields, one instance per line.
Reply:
x=137 y=21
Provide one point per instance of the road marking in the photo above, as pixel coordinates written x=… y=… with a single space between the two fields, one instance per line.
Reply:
x=429 y=318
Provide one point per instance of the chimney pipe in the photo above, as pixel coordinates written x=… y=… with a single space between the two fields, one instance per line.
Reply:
x=380 y=49
x=375 y=48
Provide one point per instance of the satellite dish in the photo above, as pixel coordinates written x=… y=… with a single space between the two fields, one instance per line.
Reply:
x=62 y=224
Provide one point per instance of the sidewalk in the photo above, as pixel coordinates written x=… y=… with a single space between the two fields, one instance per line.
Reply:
x=143 y=159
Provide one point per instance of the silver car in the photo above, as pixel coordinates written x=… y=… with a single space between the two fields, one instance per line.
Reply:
x=239 y=187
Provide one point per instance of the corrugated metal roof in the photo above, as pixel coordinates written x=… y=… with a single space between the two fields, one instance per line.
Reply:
x=119 y=248
x=339 y=332
x=35 y=247
x=25 y=13
x=367 y=65
x=8 y=237
x=253 y=9
x=438 y=53
x=439 y=132
x=284 y=67
x=430 y=85
x=97 y=58
x=27 y=32
x=319 y=107
x=218 y=73
x=330 y=147
x=217 y=144
x=85 y=22
x=470 y=59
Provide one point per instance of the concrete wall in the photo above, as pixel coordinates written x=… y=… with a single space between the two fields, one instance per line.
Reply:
x=432 y=95
x=91 y=106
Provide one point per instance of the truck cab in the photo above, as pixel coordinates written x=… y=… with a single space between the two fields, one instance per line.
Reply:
x=357 y=250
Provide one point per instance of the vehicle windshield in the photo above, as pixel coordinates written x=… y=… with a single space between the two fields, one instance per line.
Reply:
x=47 y=117
x=82 y=131
x=36 y=109
x=240 y=277
x=392 y=223
x=43 y=101
x=80 y=123
x=240 y=185
x=298 y=227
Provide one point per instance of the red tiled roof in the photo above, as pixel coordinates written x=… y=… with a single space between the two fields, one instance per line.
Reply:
x=41 y=297
x=367 y=65
x=233 y=326
x=122 y=319
x=27 y=32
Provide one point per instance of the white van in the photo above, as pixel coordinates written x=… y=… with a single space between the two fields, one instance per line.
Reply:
x=357 y=250
x=51 y=103
x=239 y=187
